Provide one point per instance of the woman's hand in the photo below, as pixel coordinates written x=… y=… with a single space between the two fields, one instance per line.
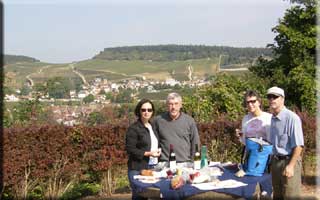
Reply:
x=238 y=133
x=156 y=153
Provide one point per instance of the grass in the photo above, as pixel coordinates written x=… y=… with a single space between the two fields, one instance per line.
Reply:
x=112 y=70
x=15 y=74
x=138 y=67
x=54 y=71
x=91 y=74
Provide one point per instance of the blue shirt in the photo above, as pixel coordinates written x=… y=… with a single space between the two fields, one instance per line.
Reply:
x=286 y=132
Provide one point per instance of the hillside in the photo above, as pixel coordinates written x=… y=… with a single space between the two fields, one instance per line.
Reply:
x=11 y=59
x=182 y=52
x=158 y=70
x=159 y=62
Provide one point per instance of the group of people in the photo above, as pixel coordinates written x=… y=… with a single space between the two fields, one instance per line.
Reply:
x=283 y=129
x=148 y=139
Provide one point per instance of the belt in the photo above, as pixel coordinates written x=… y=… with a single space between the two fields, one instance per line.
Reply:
x=281 y=157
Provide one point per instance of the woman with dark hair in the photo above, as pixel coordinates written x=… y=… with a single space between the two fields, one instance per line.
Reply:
x=257 y=122
x=141 y=143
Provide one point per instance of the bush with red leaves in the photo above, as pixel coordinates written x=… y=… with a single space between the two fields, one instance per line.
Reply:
x=93 y=150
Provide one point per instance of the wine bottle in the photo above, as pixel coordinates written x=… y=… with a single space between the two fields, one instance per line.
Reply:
x=172 y=159
x=197 y=159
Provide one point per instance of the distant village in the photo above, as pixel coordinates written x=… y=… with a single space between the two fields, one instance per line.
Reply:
x=71 y=115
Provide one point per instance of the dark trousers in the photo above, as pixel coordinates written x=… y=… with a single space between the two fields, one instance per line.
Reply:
x=135 y=195
x=283 y=187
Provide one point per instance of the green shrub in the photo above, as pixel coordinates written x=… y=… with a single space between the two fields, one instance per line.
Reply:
x=36 y=193
x=81 y=190
x=223 y=97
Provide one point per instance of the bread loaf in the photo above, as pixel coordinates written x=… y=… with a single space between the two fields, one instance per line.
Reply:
x=146 y=172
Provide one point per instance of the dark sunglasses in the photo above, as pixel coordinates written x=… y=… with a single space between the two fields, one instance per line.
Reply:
x=146 y=109
x=272 y=96
x=252 y=101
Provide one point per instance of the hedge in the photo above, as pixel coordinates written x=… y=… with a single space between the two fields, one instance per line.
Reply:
x=53 y=157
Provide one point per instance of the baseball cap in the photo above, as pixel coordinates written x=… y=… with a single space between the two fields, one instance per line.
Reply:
x=276 y=91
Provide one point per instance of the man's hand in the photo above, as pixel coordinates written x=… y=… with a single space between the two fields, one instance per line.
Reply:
x=288 y=171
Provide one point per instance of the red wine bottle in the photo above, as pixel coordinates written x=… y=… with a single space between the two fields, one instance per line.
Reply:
x=172 y=159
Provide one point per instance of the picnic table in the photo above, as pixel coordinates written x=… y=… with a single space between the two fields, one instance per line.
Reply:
x=253 y=187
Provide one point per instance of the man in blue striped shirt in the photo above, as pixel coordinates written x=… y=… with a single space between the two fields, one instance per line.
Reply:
x=287 y=139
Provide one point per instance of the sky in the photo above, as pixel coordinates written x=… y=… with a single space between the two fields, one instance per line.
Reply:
x=63 y=31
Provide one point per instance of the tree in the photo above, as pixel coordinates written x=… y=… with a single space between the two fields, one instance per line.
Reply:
x=26 y=111
x=224 y=97
x=293 y=65
x=8 y=90
x=58 y=87
x=78 y=84
x=88 y=99
x=124 y=96
x=41 y=88
x=108 y=95
x=25 y=90
x=95 y=118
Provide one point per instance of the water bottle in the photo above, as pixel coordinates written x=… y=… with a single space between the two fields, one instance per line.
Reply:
x=204 y=160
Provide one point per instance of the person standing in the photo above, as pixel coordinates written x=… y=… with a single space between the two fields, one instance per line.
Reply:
x=141 y=143
x=176 y=128
x=256 y=124
x=287 y=139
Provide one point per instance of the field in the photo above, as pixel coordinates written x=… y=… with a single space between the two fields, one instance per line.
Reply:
x=16 y=75
x=176 y=69
x=51 y=71
x=91 y=74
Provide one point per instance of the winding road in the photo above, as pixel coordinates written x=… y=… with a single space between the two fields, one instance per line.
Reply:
x=28 y=77
x=79 y=74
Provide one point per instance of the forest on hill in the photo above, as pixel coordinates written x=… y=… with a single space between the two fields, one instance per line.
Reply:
x=182 y=52
x=11 y=59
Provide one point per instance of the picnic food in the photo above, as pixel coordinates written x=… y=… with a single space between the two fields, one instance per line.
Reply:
x=169 y=174
x=199 y=178
x=146 y=172
x=177 y=182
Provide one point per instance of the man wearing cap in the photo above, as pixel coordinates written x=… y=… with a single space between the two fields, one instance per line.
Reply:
x=287 y=139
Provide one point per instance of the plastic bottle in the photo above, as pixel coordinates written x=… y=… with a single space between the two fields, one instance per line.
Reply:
x=204 y=160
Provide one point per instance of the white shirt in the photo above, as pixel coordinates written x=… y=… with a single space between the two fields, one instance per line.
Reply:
x=256 y=126
x=154 y=145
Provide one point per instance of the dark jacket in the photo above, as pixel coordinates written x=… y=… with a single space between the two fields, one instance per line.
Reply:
x=138 y=141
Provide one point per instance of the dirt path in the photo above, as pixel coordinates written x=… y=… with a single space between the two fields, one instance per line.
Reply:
x=79 y=74
x=28 y=77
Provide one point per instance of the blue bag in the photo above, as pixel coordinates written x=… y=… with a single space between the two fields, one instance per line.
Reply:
x=257 y=156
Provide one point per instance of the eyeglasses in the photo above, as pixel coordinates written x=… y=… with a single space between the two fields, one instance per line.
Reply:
x=251 y=101
x=146 y=109
x=272 y=96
